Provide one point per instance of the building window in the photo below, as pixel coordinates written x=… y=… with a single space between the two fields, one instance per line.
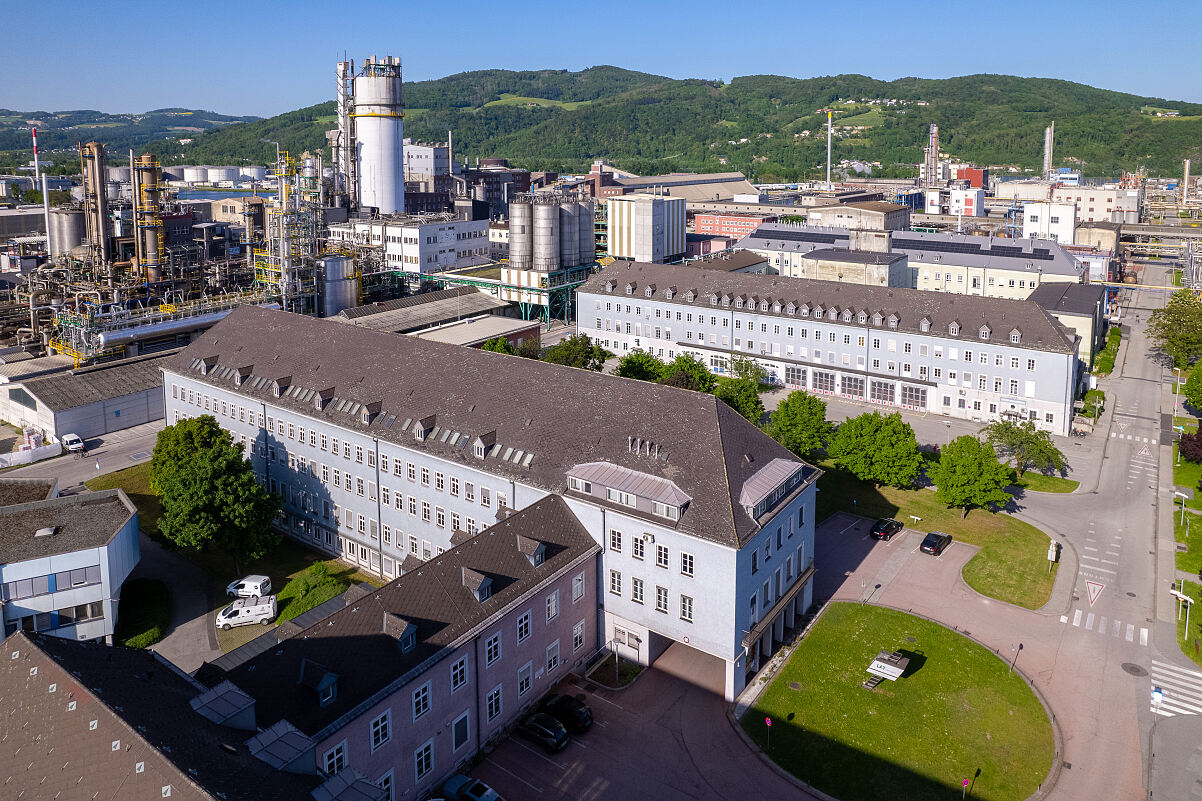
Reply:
x=469 y=491
x=336 y=758
x=421 y=701
x=440 y=482
x=552 y=656
x=459 y=673
x=686 y=564
x=381 y=731
x=552 y=606
x=661 y=599
x=636 y=590
x=638 y=547
x=494 y=703
x=492 y=649
x=524 y=626
x=524 y=678
x=618 y=496
x=686 y=609
x=615 y=540
x=661 y=555
x=454 y=487
x=615 y=582
x=423 y=760
x=578 y=636
x=577 y=587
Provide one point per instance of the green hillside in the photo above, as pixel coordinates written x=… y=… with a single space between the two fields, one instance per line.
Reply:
x=553 y=119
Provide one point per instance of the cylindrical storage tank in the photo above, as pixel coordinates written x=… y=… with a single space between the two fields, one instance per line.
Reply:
x=175 y=173
x=546 y=235
x=217 y=174
x=118 y=174
x=588 y=237
x=66 y=230
x=254 y=173
x=196 y=175
x=339 y=284
x=113 y=190
x=379 y=133
x=569 y=234
x=309 y=167
x=521 y=233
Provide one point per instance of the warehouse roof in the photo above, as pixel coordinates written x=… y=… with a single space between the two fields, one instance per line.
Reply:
x=801 y=298
x=434 y=602
x=477 y=330
x=961 y=250
x=25 y=369
x=99 y=721
x=881 y=206
x=100 y=382
x=693 y=186
x=405 y=315
x=539 y=419
x=730 y=261
x=25 y=490
x=854 y=256
x=62 y=525
x=1060 y=297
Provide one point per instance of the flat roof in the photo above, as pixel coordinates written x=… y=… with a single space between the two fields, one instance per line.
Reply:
x=728 y=260
x=476 y=330
x=419 y=312
x=1061 y=297
x=854 y=256
x=25 y=490
x=79 y=522
x=99 y=382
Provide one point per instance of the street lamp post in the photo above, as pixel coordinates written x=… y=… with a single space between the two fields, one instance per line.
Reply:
x=1016 y=652
x=1180 y=434
x=1181 y=495
x=949 y=432
x=1176 y=386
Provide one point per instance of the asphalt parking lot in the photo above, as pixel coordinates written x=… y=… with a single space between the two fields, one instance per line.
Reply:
x=666 y=736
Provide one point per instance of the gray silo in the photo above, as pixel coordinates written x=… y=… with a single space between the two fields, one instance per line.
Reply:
x=546 y=232
x=521 y=232
x=569 y=233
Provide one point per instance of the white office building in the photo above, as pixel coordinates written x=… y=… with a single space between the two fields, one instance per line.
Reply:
x=646 y=227
x=420 y=244
x=1054 y=221
x=963 y=356
x=389 y=450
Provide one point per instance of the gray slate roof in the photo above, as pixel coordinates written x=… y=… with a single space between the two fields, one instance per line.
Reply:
x=546 y=417
x=143 y=715
x=98 y=383
x=1070 y=298
x=999 y=253
x=353 y=642
x=1040 y=331
x=82 y=522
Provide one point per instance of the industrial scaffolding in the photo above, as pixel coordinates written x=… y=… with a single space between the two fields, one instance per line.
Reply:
x=285 y=264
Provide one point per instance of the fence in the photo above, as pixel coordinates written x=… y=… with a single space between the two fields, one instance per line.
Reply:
x=31 y=455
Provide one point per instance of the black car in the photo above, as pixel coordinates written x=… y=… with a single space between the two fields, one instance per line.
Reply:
x=885 y=528
x=571 y=712
x=936 y=542
x=544 y=730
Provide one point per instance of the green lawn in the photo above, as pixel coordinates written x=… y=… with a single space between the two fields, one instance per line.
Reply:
x=957 y=714
x=143 y=614
x=507 y=99
x=1038 y=482
x=1012 y=564
x=1191 y=640
x=1187 y=474
x=1189 y=560
x=136 y=483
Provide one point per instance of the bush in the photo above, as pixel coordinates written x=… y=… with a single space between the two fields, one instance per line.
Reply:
x=1191 y=447
x=1104 y=363
x=144 y=613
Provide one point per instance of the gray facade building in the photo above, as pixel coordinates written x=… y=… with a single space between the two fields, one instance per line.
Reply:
x=960 y=355
x=389 y=450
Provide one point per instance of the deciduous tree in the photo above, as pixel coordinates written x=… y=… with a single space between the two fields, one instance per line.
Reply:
x=1177 y=328
x=640 y=365
x=799 y=423
x=1193 y=389
x=1026 y=445
x=743 y=396
x=499 y=345
x=688 y=372
x=577 y=351
x=969 y=475
x=179 y=443
x=878 y=448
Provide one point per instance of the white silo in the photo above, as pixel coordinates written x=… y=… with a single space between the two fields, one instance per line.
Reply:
x=254 y=173
x=196 y=175
x=379 y=134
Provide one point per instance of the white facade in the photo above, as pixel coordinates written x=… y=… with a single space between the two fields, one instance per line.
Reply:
x=420 y=244
x=1101 y=203
x=379 y=135
x=1054 y=221
x=858 y=359
x=424 y=160
x=648 y=228
x=967 y=202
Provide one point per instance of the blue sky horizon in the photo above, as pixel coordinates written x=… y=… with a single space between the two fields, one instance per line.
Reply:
x=264 y=58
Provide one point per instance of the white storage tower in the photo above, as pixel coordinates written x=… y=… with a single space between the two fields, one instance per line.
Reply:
x=379 y=134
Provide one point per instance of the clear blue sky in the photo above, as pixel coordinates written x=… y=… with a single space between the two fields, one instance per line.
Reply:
x=263 y=58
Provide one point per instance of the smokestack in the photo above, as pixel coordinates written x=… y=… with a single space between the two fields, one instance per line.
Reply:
x=1185 y=183
x=828 y=149
x=37 y=172
x=1049 y=139
x=932 y=156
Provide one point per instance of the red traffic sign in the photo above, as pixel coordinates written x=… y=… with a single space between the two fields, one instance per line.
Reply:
x=768 y=722
x=965 y=784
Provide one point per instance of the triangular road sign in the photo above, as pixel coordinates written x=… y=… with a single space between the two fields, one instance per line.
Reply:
x=1122 y=427
x=1144 y=451
x=1094 y=589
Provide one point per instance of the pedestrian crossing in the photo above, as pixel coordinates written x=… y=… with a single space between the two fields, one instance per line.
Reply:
x=1134 y=438
x=1108 y=627
x=1180 y=690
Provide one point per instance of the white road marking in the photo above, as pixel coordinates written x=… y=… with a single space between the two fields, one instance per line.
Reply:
x=504 y=769
x=1077 y=618
x=1104 y=570
x=606 y=700
x=1143 y=637
x=1102 y=625
x=1089 y=548
x=1090 y=558
x=1130 y=632
x=1089 y=622
x=543 y=757
x=1114 y=628
x=1112 y=553
x=1064 y=618
x=1108 y=561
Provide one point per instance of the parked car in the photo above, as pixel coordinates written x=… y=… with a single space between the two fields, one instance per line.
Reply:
x=74 y=443
x=249 y=587
x=246 y=611
x=573 y=713
x=544 y=730
x=885 y=528
x=465 y=788
x=936 y=542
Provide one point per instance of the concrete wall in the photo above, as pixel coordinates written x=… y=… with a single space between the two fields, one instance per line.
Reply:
x=110 y=415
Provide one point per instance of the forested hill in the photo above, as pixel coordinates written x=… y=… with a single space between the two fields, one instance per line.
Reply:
x=770 y=127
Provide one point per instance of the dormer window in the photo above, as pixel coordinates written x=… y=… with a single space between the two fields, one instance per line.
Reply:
x=726 y=301
x=805 y=310
x=669 y=293
x=408 y=640
x=482 y=444
x=776 y=308
x=819 y=312
x=666 y=510
x=690 y=295
x=618 y=496
x=580 y=485
x=738 y=303
x=713 y=300
x=847 y=316
x=833 y=314
x=764 y=306
x=863 y=318
x=609 y=286
x=954 y=329
x=1016 y=336
x=327 y=694
x=534 y=550
x=630 y=289
x=984 y=332
x=478 y=584
x=877 y=319
x=647 y=292
x=893 y=321
x=480 y=450
x=790 y=309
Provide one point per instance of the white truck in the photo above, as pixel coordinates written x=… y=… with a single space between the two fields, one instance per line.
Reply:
x=246 y=611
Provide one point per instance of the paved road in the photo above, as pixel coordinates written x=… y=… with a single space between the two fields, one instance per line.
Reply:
x=113 y=451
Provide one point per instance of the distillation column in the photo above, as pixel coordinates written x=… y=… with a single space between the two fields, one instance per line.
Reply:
x=379 y=135
x=96 y=204
x=148 y=224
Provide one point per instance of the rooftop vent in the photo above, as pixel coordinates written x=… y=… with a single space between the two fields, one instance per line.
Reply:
x=48 y=531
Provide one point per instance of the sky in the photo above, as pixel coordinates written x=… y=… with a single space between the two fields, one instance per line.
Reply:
x=261 y=58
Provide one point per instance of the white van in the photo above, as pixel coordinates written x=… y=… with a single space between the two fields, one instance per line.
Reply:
x=245 y=611
x=249 y=587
